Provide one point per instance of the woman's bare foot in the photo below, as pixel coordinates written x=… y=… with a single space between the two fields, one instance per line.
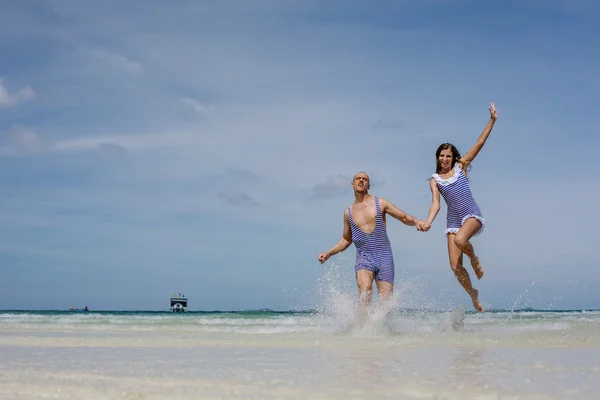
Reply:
x=477 y=267
x=475 y=298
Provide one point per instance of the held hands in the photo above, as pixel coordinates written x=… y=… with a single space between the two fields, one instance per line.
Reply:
x=422 y=226
x=493 y=112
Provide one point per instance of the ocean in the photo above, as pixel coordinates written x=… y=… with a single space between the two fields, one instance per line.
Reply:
x=264 y=354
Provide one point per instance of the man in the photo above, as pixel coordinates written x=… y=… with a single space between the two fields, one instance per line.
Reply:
x=364 y=224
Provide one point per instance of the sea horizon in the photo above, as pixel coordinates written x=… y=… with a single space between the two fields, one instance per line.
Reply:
x=300 y=311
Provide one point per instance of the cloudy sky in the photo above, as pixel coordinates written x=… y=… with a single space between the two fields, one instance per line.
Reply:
x=202 y=147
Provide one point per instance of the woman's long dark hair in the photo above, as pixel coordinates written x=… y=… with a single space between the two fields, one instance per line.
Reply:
x=455 y=156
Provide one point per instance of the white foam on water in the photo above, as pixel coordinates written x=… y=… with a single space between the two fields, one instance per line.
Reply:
x=455 y=320
x=337 y=301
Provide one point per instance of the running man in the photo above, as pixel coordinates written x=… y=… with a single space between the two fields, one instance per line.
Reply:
x=365 y=225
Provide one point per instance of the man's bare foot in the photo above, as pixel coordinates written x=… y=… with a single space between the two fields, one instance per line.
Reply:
x=477 y=267
x=475 y=298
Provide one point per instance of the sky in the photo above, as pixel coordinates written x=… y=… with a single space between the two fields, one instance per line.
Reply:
x=207 y=148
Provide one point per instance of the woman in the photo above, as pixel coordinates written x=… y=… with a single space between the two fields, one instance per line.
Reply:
x=464 y=218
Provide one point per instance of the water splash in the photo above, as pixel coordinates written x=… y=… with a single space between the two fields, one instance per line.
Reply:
x=336 y=299
x=455 y=320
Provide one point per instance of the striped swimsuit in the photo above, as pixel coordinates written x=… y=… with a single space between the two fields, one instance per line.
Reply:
x=460 y=201
x=373 y=251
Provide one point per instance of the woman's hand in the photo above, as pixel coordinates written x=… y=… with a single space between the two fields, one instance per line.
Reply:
x=493 y=112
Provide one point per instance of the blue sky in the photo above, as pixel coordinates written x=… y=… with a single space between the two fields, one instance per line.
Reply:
x=208 y=148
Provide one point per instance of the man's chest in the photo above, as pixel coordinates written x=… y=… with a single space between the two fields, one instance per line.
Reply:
x=364 y=214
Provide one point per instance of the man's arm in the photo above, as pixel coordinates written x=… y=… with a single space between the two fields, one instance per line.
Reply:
x=388 y=207
x=344 y=242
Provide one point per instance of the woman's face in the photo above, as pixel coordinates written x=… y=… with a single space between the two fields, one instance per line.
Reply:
x=445 y=159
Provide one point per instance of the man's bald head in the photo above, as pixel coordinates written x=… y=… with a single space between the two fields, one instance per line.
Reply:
x=361 y=182
x=361 y=173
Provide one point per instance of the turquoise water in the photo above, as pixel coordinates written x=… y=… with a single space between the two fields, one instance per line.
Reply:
x=263 y=354
x=402 y=322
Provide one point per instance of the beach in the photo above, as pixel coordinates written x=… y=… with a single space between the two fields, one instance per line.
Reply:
x=299 y=355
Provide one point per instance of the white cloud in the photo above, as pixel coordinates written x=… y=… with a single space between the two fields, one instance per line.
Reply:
x=197 y=106
x=8 y=99
x=112 y=58
x=334 y=186
x=20 y=141
x=111 y=150
x=236 y=198
x=148 y=141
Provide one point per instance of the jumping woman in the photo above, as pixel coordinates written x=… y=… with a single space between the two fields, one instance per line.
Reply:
x=464 y=218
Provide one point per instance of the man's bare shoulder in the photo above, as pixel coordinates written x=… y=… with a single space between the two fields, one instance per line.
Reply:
x=385 y=204
x=347 y=211
x=383 y=201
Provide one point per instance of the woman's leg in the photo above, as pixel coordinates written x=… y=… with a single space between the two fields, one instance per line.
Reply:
x=462 y=241
x=455 y=255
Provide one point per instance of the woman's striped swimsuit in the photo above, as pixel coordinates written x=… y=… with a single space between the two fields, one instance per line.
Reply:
x=460 y=201
x=373 y=250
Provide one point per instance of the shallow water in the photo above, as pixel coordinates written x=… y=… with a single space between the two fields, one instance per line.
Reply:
x=268 y=355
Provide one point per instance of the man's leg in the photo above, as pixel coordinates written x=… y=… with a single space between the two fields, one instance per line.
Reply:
x=456 y=263
x=384 y=293
x=364 y=281
x=384 y=290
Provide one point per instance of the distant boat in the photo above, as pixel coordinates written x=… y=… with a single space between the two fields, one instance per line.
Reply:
x=179 y=303
x=84 y=309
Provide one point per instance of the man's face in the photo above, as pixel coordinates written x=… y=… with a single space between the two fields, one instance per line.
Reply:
x=361 y=182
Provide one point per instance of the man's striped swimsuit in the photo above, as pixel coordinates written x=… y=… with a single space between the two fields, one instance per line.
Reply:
x=373 y=250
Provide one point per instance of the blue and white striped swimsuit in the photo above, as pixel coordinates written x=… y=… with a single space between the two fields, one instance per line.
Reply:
x=373 y=250
x=461 y=204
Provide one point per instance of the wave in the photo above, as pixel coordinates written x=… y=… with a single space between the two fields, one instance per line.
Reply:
x=268 y=322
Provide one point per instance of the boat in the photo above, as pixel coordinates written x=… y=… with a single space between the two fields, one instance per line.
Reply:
x=178 y=303
x=74 y=309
